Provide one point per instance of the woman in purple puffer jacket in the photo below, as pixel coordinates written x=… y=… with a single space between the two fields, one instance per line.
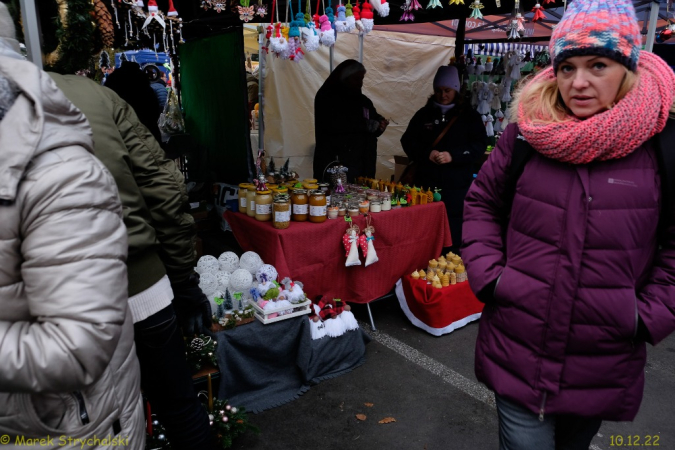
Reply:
x=580 y=275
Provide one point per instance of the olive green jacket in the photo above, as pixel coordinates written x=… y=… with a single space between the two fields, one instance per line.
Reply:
x=154 y=198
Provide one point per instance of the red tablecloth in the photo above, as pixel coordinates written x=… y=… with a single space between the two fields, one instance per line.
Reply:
x=437 y=311
x=405 y=239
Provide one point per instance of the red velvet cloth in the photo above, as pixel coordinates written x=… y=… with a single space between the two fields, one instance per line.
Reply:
x=405 y=239
x=439 y=308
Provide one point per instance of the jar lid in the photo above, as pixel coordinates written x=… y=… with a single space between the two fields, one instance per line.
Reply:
x=244 y=185
x=316 y=192
x=263 y=192
x=251 y=187
x=299 y=191
x=281 y=198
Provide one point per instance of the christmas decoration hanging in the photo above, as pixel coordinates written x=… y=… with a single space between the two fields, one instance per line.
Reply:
x=538 y=11
x=456 y=2
x=381 y=6
x=476 y=6
x=434 y=4
x=367 y=16
x=350 y=241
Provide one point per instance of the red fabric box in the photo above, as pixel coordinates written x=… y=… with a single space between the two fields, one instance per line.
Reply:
x=437 y=311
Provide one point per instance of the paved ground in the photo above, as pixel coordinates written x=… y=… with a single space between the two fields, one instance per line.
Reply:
x=427 y=384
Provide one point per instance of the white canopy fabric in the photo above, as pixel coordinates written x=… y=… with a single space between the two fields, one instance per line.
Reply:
x=400 y=69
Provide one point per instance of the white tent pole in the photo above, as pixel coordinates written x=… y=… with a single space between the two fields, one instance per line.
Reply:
x=330 y=59
x=262 y=60
x=361 y=48
x=31 y=31
x=653 y=20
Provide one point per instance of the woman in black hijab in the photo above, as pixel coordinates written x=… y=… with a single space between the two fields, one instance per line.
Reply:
x=346 y=124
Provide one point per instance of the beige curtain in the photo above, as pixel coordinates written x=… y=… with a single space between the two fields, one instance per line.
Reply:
x=400 y=68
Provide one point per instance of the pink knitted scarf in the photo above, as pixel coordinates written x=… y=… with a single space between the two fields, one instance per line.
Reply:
x=608 y=135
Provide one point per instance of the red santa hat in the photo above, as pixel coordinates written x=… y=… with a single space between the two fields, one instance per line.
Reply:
x=366 y=10
x=152 y=6
x=172 y=11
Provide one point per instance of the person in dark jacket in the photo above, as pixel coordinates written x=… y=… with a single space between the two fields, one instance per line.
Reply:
x=574 y=269
x=449 y=165
x=157 y=84
x=132 y=84
x=346 y=124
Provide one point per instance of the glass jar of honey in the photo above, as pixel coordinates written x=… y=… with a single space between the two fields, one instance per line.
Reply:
x=282 y=211
x=250 y=200
x=317 y=206
x=243 y=189
x=300 y=205
x=263 y=206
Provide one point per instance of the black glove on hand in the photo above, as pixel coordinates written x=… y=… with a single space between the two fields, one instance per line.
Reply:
x=193 y=309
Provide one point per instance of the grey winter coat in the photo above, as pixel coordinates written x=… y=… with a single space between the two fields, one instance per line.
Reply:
x=69 y=366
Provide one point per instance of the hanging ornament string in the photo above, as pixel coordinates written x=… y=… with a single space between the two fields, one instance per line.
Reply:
x=274 y=3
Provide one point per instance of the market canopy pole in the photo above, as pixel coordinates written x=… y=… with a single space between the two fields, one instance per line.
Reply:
x=361 y=48
x=31 y=31
x=330 y=59
x=653 y=19
x=460 y=37
x=262 y=60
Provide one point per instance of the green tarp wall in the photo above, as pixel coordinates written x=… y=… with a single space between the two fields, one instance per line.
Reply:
x=213 y=89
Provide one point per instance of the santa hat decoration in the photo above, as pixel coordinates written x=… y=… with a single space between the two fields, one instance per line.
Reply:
x=351 y=21
x=172 y=11
x=327 y=33
x=345 y=314
x=381 y=6
x=334 y=326
x=341 y=21
x=278 y=43
x=315 y=325
x=310 y=37
x=357 y=17
x=152 y=6
x=367 y=17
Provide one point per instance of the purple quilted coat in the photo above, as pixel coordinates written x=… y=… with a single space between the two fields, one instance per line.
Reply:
x=576 y=264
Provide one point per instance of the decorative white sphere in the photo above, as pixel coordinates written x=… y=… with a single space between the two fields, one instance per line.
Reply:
x=268 y=270
x=229 y=262
x=223 y=280
x=241 y=280
x=208 y=283
x=207 y=264
x=251 y=262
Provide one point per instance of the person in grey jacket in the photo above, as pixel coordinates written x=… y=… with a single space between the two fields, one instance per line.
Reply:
x=69 y=370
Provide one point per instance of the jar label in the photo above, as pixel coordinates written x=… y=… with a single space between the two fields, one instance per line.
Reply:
x=300 y=209
x=251 y=205
x=328 y=199
x=263 y=209
x=317 y=211
x=282 y=216
x=243 y=202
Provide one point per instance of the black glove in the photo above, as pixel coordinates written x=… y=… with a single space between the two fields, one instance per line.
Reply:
x=193 y=309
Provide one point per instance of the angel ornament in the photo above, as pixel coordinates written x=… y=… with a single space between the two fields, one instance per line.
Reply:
x=351 y=243
x=367 y=247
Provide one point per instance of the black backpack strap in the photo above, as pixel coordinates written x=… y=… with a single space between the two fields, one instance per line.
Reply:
x=522 y=152
x=665 y=154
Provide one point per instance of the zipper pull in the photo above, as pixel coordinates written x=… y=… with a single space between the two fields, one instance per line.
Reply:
x=541 y=409
x=84 y=415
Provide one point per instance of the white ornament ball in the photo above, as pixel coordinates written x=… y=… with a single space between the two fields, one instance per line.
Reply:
x=207 y=264
x=229 y=262
x=268 y=270
x=241 y=280
x=208 y=283
x=223 y=279
x=251 y=262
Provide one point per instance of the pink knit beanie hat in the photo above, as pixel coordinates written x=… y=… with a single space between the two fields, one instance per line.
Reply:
x=598 y=27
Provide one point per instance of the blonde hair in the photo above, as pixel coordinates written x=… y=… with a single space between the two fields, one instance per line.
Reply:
x=544 y=104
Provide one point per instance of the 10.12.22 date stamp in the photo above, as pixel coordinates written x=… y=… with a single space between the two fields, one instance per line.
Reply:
x=634 y=440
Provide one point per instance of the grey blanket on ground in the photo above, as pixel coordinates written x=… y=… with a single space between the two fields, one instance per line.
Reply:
x=264 y=366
